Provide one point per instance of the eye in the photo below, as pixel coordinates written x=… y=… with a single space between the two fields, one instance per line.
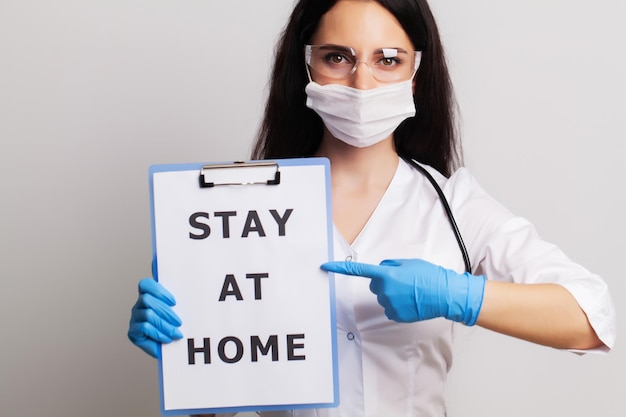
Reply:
x=336 y=58
x=389 y=62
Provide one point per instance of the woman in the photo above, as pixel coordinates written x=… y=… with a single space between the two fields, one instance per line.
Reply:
x=364 y=83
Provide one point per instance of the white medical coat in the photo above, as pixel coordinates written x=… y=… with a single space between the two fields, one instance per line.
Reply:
x=399 y=369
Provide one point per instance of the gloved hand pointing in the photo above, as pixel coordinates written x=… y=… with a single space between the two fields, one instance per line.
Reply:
x=152 y=319
x=412 y=289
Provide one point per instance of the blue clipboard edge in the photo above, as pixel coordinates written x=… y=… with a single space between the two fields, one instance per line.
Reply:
x=281 y=162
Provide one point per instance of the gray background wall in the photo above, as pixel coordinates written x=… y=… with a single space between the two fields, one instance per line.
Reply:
x=93 y=92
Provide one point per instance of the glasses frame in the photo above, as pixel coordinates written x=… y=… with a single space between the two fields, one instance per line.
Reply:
x=308 y=50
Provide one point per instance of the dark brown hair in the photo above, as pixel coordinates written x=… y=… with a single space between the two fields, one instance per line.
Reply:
x=290 y=129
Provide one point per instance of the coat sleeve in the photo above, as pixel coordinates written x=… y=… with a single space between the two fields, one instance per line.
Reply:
x=506 y=247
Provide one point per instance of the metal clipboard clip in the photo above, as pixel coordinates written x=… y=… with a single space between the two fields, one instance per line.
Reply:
x=206 y=170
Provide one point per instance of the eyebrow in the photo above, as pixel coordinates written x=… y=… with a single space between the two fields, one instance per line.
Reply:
x=339 y=48
x=386 y=51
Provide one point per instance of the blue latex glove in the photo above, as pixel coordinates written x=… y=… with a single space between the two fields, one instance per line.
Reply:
x=412 y=289
x=152 y=320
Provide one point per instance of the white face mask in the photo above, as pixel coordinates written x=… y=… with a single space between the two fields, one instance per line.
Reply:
x=361 y=117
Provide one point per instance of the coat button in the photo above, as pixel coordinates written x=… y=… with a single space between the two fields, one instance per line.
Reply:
x=350 y=336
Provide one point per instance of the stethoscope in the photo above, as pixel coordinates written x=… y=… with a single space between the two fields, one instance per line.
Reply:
x=446 y=206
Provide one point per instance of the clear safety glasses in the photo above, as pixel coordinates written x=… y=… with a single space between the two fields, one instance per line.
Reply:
x=339 y=62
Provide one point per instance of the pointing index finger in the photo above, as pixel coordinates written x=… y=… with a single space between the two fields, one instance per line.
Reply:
x=355 y=269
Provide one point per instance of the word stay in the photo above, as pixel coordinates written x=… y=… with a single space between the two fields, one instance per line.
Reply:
x=202 y=226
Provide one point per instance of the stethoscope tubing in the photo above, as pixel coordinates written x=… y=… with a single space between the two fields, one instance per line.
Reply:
x=446 y=206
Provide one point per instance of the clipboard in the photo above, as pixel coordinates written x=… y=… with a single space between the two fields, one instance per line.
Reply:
x=239 y=244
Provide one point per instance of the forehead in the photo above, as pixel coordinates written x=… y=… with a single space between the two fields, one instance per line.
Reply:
x=361 y=24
